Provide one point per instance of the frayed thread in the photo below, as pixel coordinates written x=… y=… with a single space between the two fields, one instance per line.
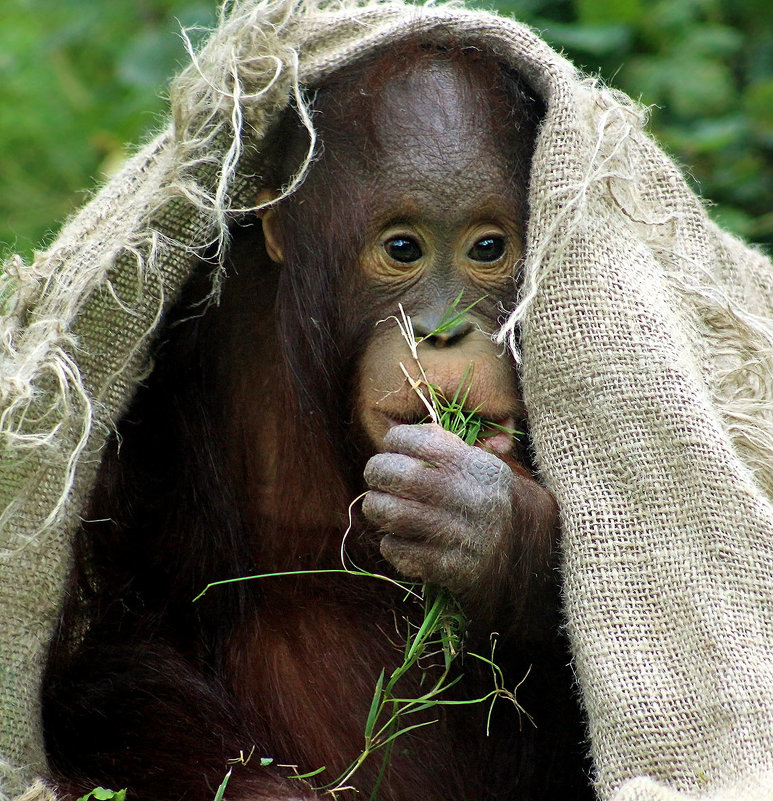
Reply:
x=226 y=96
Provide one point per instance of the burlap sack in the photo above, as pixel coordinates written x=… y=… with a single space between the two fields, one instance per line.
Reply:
x=647 y=348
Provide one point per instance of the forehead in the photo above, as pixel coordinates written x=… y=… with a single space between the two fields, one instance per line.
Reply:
x=443 y=131
x=436 y=142
x=432 y=98
x=435 y=114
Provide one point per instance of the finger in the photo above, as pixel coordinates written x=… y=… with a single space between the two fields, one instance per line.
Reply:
x=434 y=446
x=413 y=561
x=426 y=441
x=407 y=518
x=396 y=473
x=437 y=564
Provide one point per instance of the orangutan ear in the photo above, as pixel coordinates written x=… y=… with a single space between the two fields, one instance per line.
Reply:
x=271 y=231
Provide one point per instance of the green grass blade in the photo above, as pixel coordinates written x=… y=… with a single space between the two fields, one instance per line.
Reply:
x=221 y=790
x=401 y=732
x=310 y=774
x=375 y=707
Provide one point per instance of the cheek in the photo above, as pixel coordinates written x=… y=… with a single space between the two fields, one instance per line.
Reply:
x=383 y=393
x=386 y=397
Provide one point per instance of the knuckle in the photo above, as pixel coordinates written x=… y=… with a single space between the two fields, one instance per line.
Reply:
x=390 y=472
x=376 y=506
x=373 y=469
x=425 y=440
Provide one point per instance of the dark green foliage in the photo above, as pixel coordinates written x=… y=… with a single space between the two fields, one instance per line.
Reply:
x=706 y=69
x=79 y=80
x=79 y=83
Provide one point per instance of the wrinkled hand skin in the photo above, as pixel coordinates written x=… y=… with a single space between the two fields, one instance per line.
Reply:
x=462 y=518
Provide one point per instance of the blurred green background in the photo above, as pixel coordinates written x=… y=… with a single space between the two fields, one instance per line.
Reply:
x=83 y=80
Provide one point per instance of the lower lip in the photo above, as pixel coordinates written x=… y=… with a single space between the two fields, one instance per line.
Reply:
x=500 y=443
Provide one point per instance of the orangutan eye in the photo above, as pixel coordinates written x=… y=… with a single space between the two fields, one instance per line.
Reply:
x=488 y=249
x=403 y=249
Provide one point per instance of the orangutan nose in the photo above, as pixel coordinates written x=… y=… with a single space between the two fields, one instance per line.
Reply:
x=435 y=333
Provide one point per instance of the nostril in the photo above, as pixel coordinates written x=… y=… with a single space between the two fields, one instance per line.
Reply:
x=438 y=335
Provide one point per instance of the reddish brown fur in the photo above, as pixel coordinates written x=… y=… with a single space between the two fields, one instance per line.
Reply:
x=238 y=457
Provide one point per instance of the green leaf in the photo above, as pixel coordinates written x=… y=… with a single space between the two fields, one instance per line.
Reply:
x=732 y=219
x=149 y=58
x=758 y=103
x=221 y=790
x=451 y=317
x=709 y=136
x=401 y=732
x=375 y=706
x=701 y=87
x=689 y=86
x=310 y=773
x=596 y=40
x=609 y=11
x=103 y=794
x=712 y=41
